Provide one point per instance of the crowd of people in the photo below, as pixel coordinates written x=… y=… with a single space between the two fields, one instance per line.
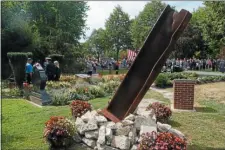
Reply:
x=196 y=64
x=93 y=65
x=52 y=70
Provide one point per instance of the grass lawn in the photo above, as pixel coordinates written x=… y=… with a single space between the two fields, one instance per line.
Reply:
x=106 y=72
x=205 y=128
x=23 y=123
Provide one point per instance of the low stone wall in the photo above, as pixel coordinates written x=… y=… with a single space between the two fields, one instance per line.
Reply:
x=98 y=133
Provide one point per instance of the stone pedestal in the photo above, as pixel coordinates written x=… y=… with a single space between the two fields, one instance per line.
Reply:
x=183 y=94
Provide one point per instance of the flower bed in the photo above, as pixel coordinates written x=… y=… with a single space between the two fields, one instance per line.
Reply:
x=59 y=131
x=78 y=108
x=161 y=141
x=162 y=112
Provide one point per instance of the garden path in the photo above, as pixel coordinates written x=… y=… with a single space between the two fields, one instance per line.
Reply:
x=165 y=93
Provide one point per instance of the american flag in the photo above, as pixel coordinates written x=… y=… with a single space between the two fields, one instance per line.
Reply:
x=131 y=55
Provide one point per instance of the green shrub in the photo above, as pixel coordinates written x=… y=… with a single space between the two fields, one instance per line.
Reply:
x=97 y=91
x=59 y=97
x=11 y=93
x=162 y=81
x=57 y=57
x=57 y=85
x=17 y=61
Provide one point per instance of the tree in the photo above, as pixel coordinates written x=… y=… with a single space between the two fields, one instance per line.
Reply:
x=17 y=35
x=118 y=30
x=211 y=21
x=98 y=42
x=43 y=28
x=144 y=22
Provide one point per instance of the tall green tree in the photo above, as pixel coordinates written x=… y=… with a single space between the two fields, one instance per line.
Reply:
x=144 y=22
x=118 y=30
x=98 y=42
x=211 y=21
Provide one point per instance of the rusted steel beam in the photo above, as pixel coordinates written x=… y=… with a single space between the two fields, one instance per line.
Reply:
x=152 y=56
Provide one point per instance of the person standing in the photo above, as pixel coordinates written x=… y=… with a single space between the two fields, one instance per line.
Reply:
x=89 y=68
x=29 y=71
x=57 y=71
x=50 y=70
x=222 y=66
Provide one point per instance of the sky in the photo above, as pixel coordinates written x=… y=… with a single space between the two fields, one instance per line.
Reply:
x=100 y=10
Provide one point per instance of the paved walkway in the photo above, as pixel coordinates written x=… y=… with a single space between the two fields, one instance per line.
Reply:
x=204 y=73
x=165 y=93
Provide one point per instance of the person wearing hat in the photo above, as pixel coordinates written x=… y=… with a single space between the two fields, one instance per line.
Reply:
x=29 y=70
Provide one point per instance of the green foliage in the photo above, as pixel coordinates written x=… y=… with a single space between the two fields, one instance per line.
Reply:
x=17 y=56
x=118 y=30
x=145 y=21
x=162 y=81
x=57 y=85
x=166 y=79
x=11 y=93
x=57 y=57
x=211 y=21
x=43 y=28
x=59 y=98
x=17 y=63
x=98 y=43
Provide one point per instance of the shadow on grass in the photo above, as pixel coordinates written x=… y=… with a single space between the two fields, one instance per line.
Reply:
x=174 y=123
x=7 y=140
x=197 y=147
x=205 y=109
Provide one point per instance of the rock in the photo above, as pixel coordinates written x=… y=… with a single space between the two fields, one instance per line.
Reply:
x=108 y=135
x=121 y=142
x=163 y=127
x=89 y=142
x=134 y=147
x=130 y=117
x=80 y=125
x=100 y=119
x=90 y=126
x=102 y=124
x=132 y=136
x=89 y=115
x=177 y=133
x=118 y=125
x=111 y=125
x=123 y=130
x=105 y=147
x=91 y=134
x=86 y=117
x=94 y=113
x=127 y=122
x=144 y=120
x=145 y=129
x=143 y=112
x=77 y=138
x=154 y=117
x=101 y=137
